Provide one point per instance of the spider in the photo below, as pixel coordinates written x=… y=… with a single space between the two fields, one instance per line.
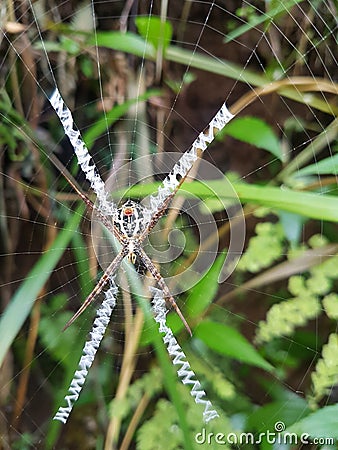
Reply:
x=132 y=222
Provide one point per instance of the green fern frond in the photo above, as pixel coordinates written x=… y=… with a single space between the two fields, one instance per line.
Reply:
x=264 y=248
x=319 y=284
x=328 y=268
x=159 y=431
x=150 y=383
x=330 y=303
x=162 y=430
x=320 y=279
x=322 y=276
x=296 y=285
x=325 y=375
x=282 y=319
x=317 y=241
x=261 y=211
x=222 y=387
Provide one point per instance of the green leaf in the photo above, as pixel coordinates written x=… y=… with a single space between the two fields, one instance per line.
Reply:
x=327 y=166
x=200 y=297
x=19 y=308
x=135 y=45
x=259 y=19
x=124 y=42
x=203 y=293
x=218 y=66
x=322 y=423
x=69 y=45
x=81 y=255
x=154 y=30
x=288 y=411
x=228 y=341
x=316 y=206
x=256 y=132
x=315 y=146
x=62 y=346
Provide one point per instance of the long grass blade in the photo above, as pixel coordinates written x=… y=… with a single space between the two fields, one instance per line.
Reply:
x=19 y=308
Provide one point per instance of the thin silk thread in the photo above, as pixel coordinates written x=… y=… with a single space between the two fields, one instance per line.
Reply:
x=179 y=358
x=88 y=353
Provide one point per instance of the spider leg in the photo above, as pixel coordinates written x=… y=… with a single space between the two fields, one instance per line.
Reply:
x=81 y=151
x=160 y=281
x=181 y=169
x=157 y=215
x=103 y=218
x=100 y=285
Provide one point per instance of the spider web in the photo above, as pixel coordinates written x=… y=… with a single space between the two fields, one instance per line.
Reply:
x=216 y=53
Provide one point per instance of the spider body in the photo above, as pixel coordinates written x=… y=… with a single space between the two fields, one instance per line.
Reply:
x=130 y=223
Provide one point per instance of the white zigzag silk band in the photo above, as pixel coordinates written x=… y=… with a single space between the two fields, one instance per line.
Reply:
x=85 y=160
x=179 y=358
x=89 y=351
x=182 y=167
x=176 y=353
